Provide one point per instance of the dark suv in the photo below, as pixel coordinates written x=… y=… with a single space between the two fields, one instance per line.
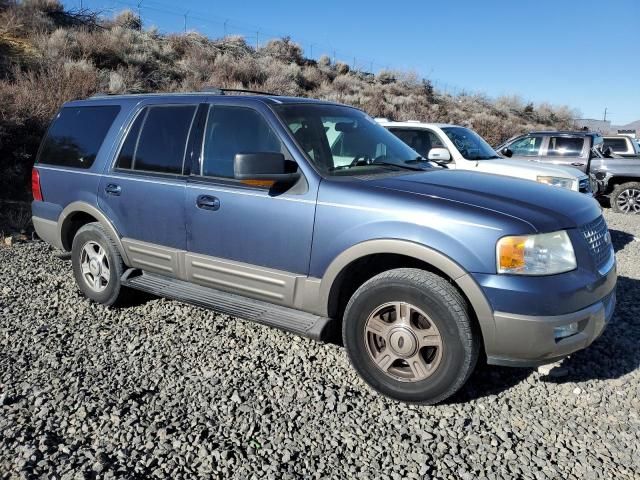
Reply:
x=308 y=215
x=616 y=175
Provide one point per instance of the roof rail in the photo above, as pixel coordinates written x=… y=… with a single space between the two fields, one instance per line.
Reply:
x=222 y=91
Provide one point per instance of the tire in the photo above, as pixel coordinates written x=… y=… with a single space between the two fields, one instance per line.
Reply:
x=625 y=198
x=93 y=237
x=379 y=343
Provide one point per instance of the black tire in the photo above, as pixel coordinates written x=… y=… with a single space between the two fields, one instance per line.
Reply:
x=615 y=198
x=447 y=310
x=113 y=292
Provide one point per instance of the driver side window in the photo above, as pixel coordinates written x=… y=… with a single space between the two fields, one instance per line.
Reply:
x=526 y=147
x=420 y=140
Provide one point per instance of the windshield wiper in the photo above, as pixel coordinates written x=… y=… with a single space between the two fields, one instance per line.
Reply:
x=399 y=165
x=418 y=159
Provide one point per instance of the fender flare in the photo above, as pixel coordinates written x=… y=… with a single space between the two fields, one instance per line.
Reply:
x=464 y=281
x=84 y=207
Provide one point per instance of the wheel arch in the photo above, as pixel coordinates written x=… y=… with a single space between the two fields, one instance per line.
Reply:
x=407 y=254
x=77 y=214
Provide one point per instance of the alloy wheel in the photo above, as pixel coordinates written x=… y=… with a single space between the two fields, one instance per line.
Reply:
x=628 y=201
x=94 y=265
x=403 y=342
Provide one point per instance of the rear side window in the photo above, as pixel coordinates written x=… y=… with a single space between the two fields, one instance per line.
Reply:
x=232 y=130
x=157 y=140
x=565 y=146
x=76 y=135
x=618 y=145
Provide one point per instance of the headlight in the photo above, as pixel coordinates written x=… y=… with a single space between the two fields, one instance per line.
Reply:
x=541 y=254
x=556 y=181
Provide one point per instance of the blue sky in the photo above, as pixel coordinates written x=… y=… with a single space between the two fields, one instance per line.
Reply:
x=582 y=53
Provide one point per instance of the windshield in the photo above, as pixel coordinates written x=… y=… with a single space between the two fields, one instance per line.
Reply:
x=345 y=141
x=470 y=145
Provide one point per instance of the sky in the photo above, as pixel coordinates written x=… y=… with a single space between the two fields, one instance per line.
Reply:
x=580 y=53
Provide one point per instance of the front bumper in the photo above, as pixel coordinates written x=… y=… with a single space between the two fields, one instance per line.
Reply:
x=526 y=341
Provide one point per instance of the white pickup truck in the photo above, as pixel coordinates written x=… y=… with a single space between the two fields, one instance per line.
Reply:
x=461 y=148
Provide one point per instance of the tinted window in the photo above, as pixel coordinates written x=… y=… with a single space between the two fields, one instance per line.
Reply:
x=526 y=147
x=565 y=146
x=616 y=144
x=420 y=140
x=157 y=139
x=232 y=130
x=76 y=134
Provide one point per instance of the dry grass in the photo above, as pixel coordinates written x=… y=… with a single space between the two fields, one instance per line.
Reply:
x=49 y=56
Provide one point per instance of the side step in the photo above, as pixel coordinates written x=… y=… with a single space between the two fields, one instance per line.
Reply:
x=284 y=318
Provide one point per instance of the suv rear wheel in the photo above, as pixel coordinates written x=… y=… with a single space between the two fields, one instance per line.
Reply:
x=625 y=198
x=97 y=264
x=409 y=335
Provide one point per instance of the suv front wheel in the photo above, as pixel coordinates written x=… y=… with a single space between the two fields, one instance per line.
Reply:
x=97 y=264
x=409 y=335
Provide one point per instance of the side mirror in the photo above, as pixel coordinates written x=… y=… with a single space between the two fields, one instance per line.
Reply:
x=439 y=155
x=507 y=152
x=263 y=169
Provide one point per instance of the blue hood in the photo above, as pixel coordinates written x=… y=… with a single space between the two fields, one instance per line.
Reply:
x=545 y=208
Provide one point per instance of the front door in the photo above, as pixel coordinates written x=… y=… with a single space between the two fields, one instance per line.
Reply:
x=245 y=238
x=566 y=151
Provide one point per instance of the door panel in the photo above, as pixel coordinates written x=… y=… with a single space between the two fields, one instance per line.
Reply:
x=566 y=151
x=250 y=226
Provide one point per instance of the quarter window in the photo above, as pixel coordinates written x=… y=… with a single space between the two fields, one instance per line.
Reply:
x=76 y=135
x=565 y=146
x=157 y=139
x=618 y=145
x=526 y=147
x=233 y=130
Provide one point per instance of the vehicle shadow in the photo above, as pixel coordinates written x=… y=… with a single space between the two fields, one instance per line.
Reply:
x=620 y=239
x=610 y=357
x=616 y=352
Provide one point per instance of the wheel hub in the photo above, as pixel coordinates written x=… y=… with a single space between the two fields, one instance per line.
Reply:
x=94 y=267
x=403 y=342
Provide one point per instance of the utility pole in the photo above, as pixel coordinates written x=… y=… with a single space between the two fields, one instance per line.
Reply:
x=140 y=11
x=311 y=50
x=334 y=57
x=604 y=119
x=185 y=20
x=257 y=41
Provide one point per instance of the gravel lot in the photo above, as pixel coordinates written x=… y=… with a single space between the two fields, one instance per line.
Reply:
x=163 y=389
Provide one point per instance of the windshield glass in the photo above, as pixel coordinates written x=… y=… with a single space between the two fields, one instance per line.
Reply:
x=345 y=141
x=470 y=145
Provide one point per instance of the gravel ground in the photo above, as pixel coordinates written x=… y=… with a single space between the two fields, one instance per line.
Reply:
x=162 y=389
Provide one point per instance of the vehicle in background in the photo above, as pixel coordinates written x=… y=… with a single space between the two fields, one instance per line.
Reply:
x=308 y=216
x=566 y=148
x=461 y=148
x=622 y=145
x=617 y=177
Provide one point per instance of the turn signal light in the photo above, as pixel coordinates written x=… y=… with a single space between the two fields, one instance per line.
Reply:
x=511 y=253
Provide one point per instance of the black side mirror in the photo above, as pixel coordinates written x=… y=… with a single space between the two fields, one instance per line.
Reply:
x=607 y=152
x=507 y=152
x=264 y=168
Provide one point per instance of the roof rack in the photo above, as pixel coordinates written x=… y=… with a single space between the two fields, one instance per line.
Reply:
x=222 y=91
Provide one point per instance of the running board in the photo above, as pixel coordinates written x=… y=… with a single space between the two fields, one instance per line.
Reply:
x=284 y=318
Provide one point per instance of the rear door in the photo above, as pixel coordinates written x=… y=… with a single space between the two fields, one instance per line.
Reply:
x=143 y=190
x=566 y=150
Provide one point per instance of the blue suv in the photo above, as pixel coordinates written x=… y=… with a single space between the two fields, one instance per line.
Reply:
x=308 y=216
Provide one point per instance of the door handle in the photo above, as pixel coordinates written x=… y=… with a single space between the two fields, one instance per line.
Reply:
x=113 y=189
x=577 y=164
x=207 y=202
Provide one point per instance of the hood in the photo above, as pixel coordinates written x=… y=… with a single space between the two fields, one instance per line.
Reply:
x=528 y=169
x=544 y=208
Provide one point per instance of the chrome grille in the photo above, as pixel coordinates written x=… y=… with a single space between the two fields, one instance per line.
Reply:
x=598 y=238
